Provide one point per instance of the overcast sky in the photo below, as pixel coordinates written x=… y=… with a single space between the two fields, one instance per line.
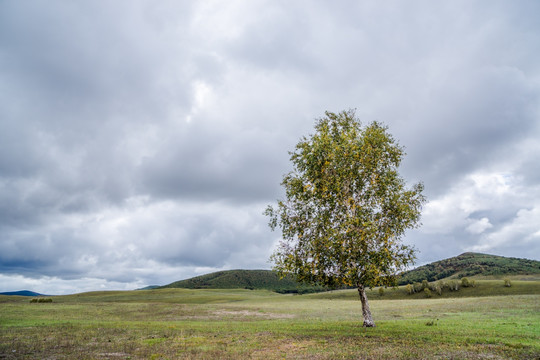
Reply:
x=140 y=141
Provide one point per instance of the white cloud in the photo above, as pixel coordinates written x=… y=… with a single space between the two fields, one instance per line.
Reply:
x=479 y=226
x=102 y=179
x=522 y=231
x=477 y=192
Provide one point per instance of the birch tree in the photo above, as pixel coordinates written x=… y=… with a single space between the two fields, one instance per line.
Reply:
x=346 y=208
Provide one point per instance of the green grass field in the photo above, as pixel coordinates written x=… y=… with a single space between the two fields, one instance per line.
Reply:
x=259 y=324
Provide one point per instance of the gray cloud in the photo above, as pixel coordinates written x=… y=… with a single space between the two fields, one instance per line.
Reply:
x=140 y=142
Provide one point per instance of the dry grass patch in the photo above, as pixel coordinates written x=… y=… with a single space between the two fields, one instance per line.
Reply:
x=239 y=314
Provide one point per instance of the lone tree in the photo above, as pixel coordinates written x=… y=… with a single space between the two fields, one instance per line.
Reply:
x=346 y=208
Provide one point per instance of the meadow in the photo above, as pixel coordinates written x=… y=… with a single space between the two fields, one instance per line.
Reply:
x=260 y=324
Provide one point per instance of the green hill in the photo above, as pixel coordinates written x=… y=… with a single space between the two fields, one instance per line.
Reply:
x=469 y=265
x=245 y=279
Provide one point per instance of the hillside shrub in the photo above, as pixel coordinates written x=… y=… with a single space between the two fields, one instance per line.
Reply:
x=507 y=283
x=381 y=291
x=427 y=292
x=425 y=284
x=418 y=287
x=437 y=287
x=410 y=289
x=41 y=300
x=465 y=282
x=453 y=285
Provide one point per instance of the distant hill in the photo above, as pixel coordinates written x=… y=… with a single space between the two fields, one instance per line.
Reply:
x=149 y=287
x=22 y=293
x=245 y=279
x=471 y=264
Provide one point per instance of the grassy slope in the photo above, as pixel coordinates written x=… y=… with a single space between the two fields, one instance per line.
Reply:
x=242 y=324
x=473 y=264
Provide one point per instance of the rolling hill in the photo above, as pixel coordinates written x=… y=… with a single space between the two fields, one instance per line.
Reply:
x=467 y=264
x=244 y=279
x=471 y=264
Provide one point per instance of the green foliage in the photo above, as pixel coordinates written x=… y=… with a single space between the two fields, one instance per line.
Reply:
x=381 y=291
x=453 y=285
x=427 y=292
x=41 y=300
x=409 y=288
x=507 y=283
x=465 y=282
x=471 y=264
x=346 y=207
x=435 y=287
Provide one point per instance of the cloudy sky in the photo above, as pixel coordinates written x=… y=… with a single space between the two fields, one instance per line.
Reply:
x=140 y=141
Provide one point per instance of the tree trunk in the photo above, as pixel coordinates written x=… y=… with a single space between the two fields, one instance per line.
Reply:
x=368 y=320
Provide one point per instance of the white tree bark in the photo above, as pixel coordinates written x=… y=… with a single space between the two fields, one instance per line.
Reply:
x=366 y=312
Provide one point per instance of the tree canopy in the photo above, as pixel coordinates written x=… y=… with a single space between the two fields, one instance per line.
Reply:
x=346 y=208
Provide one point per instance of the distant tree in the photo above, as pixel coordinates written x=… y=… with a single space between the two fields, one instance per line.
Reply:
x=438 y=288
x=453 y=285
x=346 y=208
x=410 y=289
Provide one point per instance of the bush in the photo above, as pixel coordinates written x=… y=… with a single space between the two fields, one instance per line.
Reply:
x=465 y=282
x=41 y=300
x=410 y=289
x=418 y=287
x=427 y=292
x=437 y=287
x=507 y=283
x=381 y=291
x=453 y=285
x=425 y=284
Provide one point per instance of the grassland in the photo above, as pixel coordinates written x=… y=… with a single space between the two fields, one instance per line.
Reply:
x=260 y=324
